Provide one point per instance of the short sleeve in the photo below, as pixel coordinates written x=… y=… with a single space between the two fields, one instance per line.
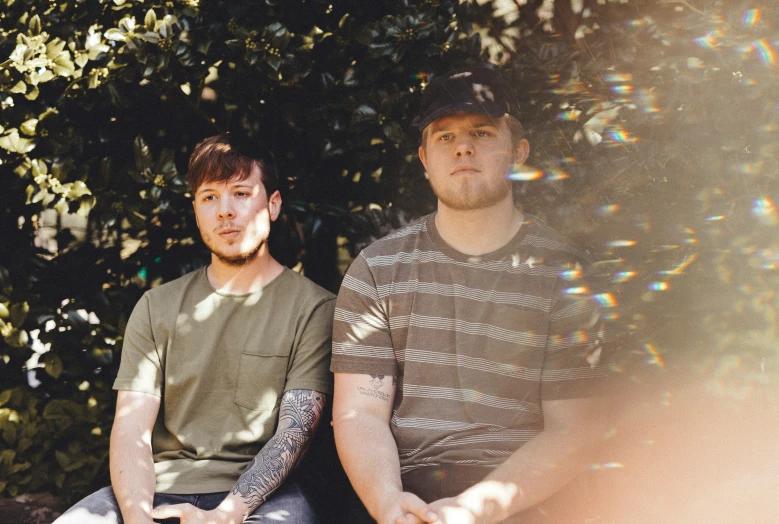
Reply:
x=361 y=332
x=310 y=360
x=575 y=359
x=140 y=368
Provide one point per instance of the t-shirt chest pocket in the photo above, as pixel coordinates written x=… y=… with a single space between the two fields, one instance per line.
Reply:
x=261 y=376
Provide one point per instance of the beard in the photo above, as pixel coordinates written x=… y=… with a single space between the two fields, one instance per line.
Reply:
x=470 y=196
x=237 y=259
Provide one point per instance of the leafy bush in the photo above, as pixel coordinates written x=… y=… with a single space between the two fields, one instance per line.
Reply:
x=652 y=128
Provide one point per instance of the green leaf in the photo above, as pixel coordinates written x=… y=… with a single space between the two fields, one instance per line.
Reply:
x=62 y=459
x=28 y=127
x=35 y=26
x=19 y=313
x=5 y=396
x=16 y=144
x=143 y=158
x=150 y=20
x=20 y=87
x=53 y=364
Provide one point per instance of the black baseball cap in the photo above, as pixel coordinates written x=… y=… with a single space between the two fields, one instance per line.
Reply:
x=478 y=89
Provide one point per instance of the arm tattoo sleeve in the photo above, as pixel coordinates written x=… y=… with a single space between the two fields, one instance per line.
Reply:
x=299 y=415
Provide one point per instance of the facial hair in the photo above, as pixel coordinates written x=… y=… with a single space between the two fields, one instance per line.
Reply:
x=238 y=260
x=472 y=196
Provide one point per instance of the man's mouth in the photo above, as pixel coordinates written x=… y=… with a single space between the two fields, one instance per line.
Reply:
x=465 y=168
x=228 y=232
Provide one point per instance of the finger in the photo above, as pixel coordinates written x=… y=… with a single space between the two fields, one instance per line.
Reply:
x=408 y=518
x=416 y=507
x=168 y=511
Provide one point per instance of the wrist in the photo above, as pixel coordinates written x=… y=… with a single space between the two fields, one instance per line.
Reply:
x=488 y=501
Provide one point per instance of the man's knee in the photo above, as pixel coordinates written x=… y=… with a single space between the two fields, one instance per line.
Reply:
x=98 y=508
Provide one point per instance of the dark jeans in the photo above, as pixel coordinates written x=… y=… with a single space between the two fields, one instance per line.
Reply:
x=286 y=505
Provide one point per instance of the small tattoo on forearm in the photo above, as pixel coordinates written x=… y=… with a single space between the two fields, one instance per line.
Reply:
x=377 y=381
x=373 y=393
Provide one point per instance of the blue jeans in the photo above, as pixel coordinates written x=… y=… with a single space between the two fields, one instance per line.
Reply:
x=286 y=505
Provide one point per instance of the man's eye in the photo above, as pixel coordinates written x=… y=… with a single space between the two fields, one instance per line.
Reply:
x=445 y=136
x=241 y=193
x=208 y=198
x=482 y=134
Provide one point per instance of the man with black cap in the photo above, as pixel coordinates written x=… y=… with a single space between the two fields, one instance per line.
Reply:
x=466 y=348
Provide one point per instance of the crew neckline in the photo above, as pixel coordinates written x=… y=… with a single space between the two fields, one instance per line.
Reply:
x=509 y=248
x=204 y=277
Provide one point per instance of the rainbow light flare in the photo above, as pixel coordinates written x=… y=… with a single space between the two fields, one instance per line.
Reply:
x=763 y=207
x=568 y=115
x=750 y=16
x=623 y=89
x=557 y=174
x=710 y=40
x=679 y=268
x=623 y=276
x=658 y=286
x=607 y=465
x=606 y=300
x=571 y=274
x=765 y=52
x=621 y=243
x=618 y=77
x=608 y=210
x=420 y=76
x=525 y=173
x=580 y=337
x=716 y=218
x=653 y=357
x=620 y=134
x=575 y=290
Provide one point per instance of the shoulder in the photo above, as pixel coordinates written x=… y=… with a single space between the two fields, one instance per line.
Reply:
x=545 y=243
x=403 y=239
x=303 y=288
x=171 y=291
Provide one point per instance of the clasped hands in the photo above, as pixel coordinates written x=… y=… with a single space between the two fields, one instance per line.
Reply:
x=407 y=508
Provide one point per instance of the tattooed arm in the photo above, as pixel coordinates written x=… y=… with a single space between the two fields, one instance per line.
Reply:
x=299 y=416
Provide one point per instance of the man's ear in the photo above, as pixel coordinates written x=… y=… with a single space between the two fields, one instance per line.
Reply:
x=423 y=158
x=521 y=151
x=274 y=205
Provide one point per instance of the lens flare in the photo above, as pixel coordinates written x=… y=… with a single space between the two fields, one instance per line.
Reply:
x=658 y=286
x=765 y=52
x=623 y=276
x=622 y=90
x=607 y=465
x=763 y=207
x=618 y=77
x=750 y=17
x=525 y=173
x=606 y=300
x=609 y=210
x=575 y=290
x=420 y=76
x=715 y=218
x=679 y=268
x=653 y=357
x=571 y=274
x=557 y=174
x=621 y=243
x=619 y=134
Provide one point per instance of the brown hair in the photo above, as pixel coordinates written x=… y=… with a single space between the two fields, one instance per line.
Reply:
x=227 y=157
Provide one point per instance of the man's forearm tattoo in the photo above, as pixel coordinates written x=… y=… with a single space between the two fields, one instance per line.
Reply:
x=376 y=382
x=299 y=415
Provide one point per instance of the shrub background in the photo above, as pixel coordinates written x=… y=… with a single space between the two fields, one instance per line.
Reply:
x=653 y=130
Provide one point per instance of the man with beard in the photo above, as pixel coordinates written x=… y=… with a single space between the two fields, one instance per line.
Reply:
x=478 y=324
x=224 y=371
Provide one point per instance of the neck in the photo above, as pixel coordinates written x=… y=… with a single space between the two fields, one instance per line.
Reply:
x=240 y=280
x=479 y=231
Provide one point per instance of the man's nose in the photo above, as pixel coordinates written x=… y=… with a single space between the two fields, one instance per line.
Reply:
x=226 y=208
x=464 y=147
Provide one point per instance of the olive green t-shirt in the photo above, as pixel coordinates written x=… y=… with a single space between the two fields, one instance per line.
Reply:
x=221 y=363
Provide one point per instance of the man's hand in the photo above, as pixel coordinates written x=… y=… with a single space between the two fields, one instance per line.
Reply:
x=406 y=508
x=189 y=514
x=450 y=511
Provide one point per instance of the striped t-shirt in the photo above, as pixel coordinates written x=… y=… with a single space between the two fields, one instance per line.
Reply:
x=476 y=343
